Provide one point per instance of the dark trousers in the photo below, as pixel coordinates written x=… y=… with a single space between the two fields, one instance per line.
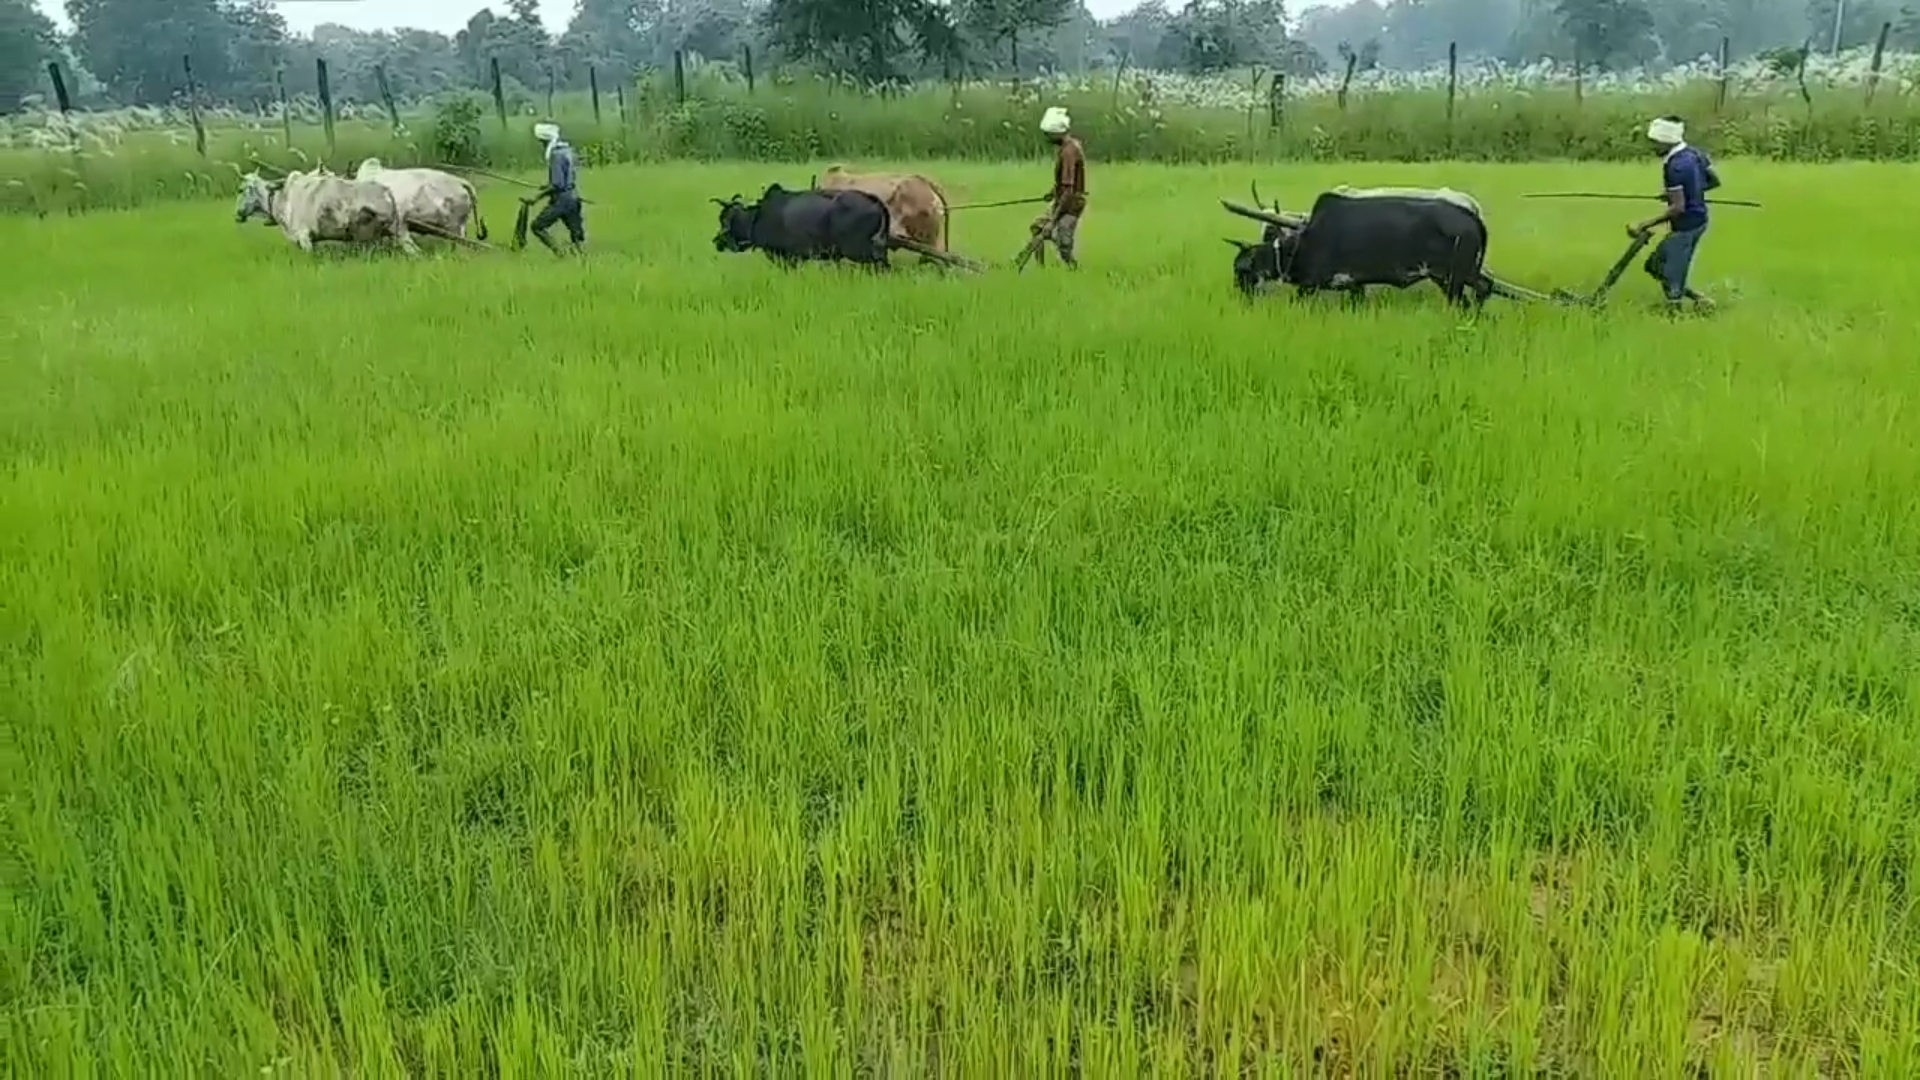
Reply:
x=565 y=208
x=1672 y=258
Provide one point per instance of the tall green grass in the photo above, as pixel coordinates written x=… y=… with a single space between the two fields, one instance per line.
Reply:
x=1122 y=120
x=495 y=665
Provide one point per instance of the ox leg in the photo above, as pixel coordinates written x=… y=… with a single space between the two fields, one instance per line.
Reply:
x=304 y=240
x=1469 y=290
x=1302 y=292
x=1356 y=295
x=1482 y=289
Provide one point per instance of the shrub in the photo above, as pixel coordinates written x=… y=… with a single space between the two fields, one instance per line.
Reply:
x=456 y=137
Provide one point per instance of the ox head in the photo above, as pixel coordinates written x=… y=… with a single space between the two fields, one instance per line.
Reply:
x=1260 y=263
x=368 y=169
x=1266 y=261
x=736 y=225
x=256 y=198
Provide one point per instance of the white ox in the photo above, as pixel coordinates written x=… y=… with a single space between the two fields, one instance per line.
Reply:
x=311 y=207
x=437 y=200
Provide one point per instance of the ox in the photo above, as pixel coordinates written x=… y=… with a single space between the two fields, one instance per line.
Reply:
x=438 y=201
x=1355 y=237
x=792 y=227
x=917 y=205
x=312 y=207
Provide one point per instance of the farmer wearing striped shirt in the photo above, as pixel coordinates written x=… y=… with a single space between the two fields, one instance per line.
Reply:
x=1687 y=176
x=561 y=192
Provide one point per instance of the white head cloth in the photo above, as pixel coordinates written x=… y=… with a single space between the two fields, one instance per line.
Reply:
x=1667 y=132
x=1055 y=121
x=547 y=133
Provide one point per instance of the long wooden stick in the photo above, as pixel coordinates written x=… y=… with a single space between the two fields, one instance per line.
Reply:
x=945 y=258
x=1003 y=202
x=502 y=179
x=1635 y=198
x=434 y=230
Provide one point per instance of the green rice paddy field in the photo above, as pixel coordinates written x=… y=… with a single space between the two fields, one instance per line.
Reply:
x=659 y=662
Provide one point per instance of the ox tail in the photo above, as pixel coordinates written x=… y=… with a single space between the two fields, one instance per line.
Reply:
x=479 y=223
x=946 y=208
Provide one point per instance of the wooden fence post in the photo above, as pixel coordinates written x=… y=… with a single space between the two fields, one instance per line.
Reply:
x=1720 y=95
x=386 y=96
x=680 y=75
x=746 y=57
x=620 y=95
x=1340 y=96
x=1276 y=101
x=1879 y=57
x=326 y=102
x=1453 y=84
x=193 y=107
x=549 y=93
x=499 y=92
x=65 y=102
x=286 y=113
x=593 y=87
x=59 y=88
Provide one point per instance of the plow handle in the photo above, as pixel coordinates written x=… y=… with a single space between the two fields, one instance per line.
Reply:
x=1620 y=265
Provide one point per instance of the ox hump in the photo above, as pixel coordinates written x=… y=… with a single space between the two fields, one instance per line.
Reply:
x=1446 y=195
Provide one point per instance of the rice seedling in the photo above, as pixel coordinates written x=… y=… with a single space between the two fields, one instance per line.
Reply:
x=496 y=664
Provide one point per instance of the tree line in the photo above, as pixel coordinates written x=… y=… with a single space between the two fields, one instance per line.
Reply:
x=129 y=52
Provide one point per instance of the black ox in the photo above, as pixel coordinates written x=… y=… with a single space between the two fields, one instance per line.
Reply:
x=805 y=226
x=1353 y=239
x=838 y=225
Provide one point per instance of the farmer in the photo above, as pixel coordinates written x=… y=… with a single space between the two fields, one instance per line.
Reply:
x=563 y=197
x=1061 y=223
x=1687 y=177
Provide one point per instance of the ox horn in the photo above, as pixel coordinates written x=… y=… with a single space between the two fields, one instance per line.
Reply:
x=1239 y=245
x=1254 y=187
x=1261 y=215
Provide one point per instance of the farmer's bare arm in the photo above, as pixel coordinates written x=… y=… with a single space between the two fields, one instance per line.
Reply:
x=1676 y=203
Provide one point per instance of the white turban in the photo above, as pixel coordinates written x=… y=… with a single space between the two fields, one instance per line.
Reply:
x=1055 y=121
x=1667 y=132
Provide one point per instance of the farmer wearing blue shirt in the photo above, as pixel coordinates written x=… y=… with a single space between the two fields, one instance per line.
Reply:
x=1687 y=177
x=563 y=197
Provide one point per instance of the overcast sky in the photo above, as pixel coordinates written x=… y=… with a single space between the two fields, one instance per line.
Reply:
x=447 y=16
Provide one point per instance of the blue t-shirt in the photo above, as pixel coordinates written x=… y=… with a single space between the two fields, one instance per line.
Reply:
x=560 y=170
x=1689 y=171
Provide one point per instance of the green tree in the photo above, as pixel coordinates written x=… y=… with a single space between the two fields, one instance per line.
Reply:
x=1215 y=35
x=257 y=46
x=868 y=40
x=135 y=47
x=1002 y=23
x=26 y=43
x=1860 y=22
x=1609 y=33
